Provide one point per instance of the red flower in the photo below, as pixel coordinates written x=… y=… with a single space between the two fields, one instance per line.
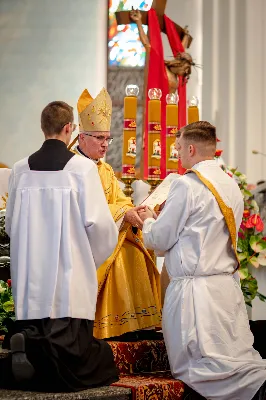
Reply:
x=217 y=140
x=218 y=153
x=246 y=213
x=243 y=225
x=255 y=221
x=9 y=282
x=230 y=174
x=241 y=235
x=264 y=238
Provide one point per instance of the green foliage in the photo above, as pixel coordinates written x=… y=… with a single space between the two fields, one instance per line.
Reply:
x=251 y=244
x=7 y=308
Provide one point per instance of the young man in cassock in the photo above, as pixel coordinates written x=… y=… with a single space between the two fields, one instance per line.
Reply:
x=205 y=323
x=129 y=283
x=56 y=218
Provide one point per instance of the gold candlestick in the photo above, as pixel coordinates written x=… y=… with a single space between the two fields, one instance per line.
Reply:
x=128 y=180
x=153 y=184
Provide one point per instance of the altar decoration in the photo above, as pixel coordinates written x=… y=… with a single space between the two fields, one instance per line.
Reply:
x=171 y=131
x=154 y=148
x=129 y=151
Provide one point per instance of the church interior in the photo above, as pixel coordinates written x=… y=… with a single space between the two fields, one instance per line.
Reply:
x=165 y=64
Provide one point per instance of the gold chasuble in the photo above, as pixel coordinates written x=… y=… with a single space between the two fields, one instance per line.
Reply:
x=129 y=282
x=129 y=293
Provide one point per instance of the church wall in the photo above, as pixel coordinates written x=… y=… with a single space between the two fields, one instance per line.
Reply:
x=234 y=34
x=230 y=44
x=49 y=50
x=255 y=99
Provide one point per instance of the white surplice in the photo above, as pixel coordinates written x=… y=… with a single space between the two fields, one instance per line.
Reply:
x=61 y=231
x=205 y=322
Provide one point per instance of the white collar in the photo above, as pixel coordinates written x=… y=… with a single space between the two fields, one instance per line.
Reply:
x=205 y=163
x=84 y=155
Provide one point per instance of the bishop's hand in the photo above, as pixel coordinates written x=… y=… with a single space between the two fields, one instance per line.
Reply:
x=133 y=218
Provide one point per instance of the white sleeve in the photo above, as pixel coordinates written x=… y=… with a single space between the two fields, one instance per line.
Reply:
x=10 y=202
x=101 y=229
x=120 y=223
x=161 y=234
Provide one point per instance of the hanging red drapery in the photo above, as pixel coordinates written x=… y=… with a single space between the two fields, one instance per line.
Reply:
x=157 y=78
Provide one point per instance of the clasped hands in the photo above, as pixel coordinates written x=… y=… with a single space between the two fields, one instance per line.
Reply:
x=137 y=215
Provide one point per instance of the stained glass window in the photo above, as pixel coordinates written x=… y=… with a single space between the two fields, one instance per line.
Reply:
x=125 y=47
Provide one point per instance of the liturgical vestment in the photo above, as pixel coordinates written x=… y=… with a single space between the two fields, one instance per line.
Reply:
x=205 y=321
x=129 y=282
x=56 y=218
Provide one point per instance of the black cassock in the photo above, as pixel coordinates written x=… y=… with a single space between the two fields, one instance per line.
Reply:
x=63 y=351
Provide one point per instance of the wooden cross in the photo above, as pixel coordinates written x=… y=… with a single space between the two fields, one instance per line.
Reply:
x=159 y=6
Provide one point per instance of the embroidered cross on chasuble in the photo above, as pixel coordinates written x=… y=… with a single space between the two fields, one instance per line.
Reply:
x=155 y=73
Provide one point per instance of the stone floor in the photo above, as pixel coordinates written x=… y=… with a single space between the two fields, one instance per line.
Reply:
x=102 y=393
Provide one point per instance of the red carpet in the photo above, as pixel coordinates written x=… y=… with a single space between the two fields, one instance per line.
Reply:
x=142 y=356
x=159 y=386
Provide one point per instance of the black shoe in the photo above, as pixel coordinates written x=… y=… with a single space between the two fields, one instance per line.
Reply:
x=21 y=367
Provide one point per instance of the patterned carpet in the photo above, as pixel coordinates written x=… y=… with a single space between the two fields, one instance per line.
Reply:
x=138 y=357
x=153 y=386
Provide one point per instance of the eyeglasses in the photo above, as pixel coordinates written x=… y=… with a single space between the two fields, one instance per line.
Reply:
x=101 y=138
x=74 y=126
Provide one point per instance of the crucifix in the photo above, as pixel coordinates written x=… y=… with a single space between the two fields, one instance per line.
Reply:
x=170 y=76
x=123 y=17
x=181 y=65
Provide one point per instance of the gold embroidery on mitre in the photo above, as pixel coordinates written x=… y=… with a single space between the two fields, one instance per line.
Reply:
x=226 y=211
x=95 y=114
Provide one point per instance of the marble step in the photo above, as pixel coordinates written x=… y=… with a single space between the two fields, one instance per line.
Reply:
x=101 y=393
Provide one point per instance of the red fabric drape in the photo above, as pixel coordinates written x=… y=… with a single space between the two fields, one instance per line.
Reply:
x=157 y=78
x=177 y=47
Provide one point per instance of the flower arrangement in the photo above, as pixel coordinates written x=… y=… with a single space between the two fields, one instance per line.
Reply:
x=7 y=309
x=251 y=243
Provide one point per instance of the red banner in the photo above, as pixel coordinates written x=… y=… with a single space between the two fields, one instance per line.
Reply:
x=157 y=78
x=128 y=171
x=130 y=124
x=154 y=127
x=154 y=173
x=171 y=130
